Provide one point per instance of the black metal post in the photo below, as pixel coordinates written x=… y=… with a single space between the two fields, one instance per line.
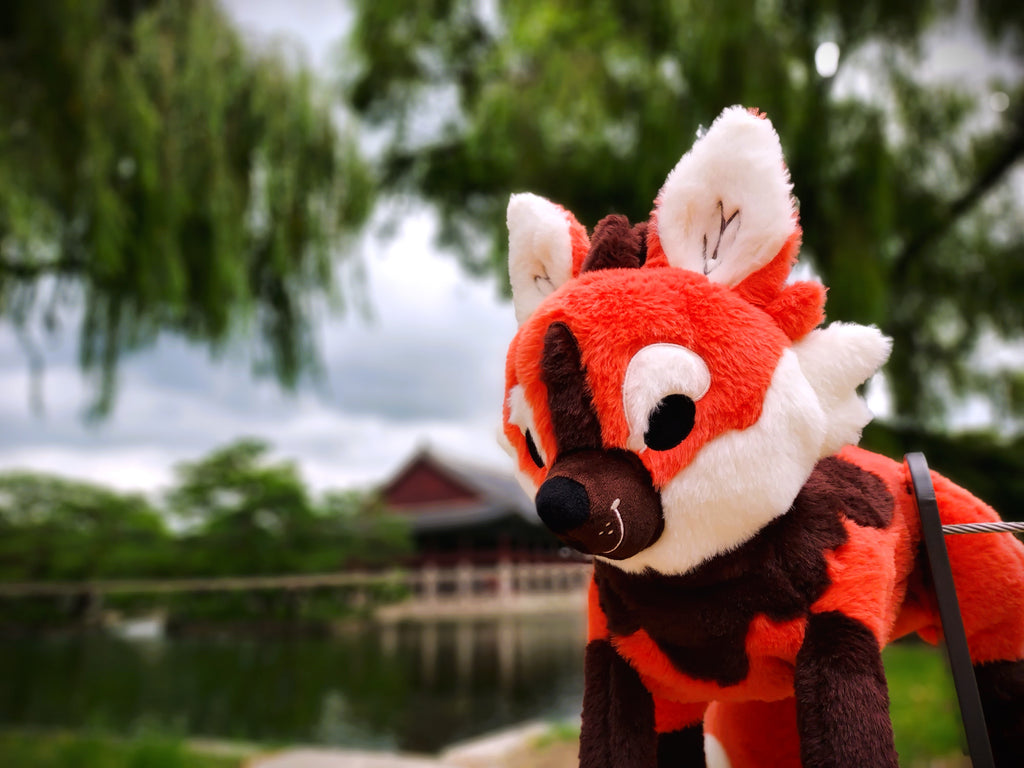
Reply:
x=971 y=711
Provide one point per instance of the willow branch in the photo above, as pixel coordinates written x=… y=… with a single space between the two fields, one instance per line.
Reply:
x=1012 y=151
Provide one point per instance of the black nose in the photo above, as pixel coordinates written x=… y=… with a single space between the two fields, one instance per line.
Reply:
x=562 y=504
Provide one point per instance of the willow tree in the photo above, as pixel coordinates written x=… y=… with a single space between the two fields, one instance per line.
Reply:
x=158 y=176
x=903 y=176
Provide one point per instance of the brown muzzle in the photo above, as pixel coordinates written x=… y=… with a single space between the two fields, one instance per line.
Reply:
x=601 y=502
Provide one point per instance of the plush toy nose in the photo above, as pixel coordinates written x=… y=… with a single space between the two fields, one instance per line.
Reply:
x=563 y=504
x=601 y=502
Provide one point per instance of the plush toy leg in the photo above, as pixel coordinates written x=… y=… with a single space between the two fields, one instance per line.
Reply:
x=618 y=713
x=680 y=734
x=753 y=734
x=682 y=749
x=842 y=699
x=1001 y=685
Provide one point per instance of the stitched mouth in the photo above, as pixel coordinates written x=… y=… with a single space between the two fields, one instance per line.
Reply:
x=622 y=528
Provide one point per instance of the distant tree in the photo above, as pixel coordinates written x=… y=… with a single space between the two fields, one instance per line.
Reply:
x=243 y=512
x=905 y=180
x=157 y=176
x=247 y=514
x=53 y=528
x=371 y=535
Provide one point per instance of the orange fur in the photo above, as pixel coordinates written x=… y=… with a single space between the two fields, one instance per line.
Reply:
x=759 y=733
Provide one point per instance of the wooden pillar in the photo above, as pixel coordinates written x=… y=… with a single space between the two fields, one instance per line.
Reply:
x=430 y=579
x=505 y=579
x=464 y=581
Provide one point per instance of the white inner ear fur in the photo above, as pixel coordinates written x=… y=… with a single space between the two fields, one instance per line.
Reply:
x=726 y=209
x=539 y=251
x=836 y=360
x=655 y=371
x=740 y=481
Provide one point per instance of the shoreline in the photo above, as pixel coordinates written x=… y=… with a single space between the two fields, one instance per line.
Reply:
x=531 y=744
x=534 y=744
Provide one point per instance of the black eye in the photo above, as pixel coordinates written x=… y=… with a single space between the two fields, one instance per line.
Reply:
x=670 y=422
x=532 y=448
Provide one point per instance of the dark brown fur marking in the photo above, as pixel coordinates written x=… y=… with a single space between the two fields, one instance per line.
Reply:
x=616 y=245
x=682 y=748
x=700 y=619
x=842 y=698
x=618 y=713
x=569 y=400
x=866 y=500
x=1001 y=685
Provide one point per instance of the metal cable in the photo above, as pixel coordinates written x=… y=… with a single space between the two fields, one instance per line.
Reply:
x=982 y=528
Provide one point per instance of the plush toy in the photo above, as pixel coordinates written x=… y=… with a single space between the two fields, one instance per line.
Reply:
x=678 y=413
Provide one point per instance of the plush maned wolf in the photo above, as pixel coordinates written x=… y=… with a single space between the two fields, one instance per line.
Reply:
x=677 y=412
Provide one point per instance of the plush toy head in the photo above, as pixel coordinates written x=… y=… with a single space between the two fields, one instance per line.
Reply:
x=667 y=392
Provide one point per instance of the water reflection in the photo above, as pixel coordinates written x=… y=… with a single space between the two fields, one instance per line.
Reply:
x=414 y=686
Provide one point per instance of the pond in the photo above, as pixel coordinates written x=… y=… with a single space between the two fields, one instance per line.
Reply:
x=411 y=686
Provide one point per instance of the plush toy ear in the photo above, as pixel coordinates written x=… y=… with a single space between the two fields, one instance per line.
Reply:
x=835 y=361
x=546 y=246
x=726 y=209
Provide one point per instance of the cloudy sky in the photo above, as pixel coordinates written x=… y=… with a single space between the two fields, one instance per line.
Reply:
x=426 y=368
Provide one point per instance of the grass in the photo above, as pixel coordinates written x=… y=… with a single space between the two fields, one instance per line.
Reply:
x=557 y=732
x=922 y=703
x=23 y=749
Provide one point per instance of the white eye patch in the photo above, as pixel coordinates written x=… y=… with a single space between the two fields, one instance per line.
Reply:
x=656 y=372
x=521 y=415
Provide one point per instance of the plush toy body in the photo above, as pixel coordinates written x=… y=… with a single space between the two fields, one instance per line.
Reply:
x=677 y=412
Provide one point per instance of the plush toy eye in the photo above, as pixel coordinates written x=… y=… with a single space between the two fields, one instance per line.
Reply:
x=532 y=448
x=670 y=422
x=662 y=385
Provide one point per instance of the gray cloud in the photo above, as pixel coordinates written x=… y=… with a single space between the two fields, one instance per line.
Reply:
x=428 y=367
